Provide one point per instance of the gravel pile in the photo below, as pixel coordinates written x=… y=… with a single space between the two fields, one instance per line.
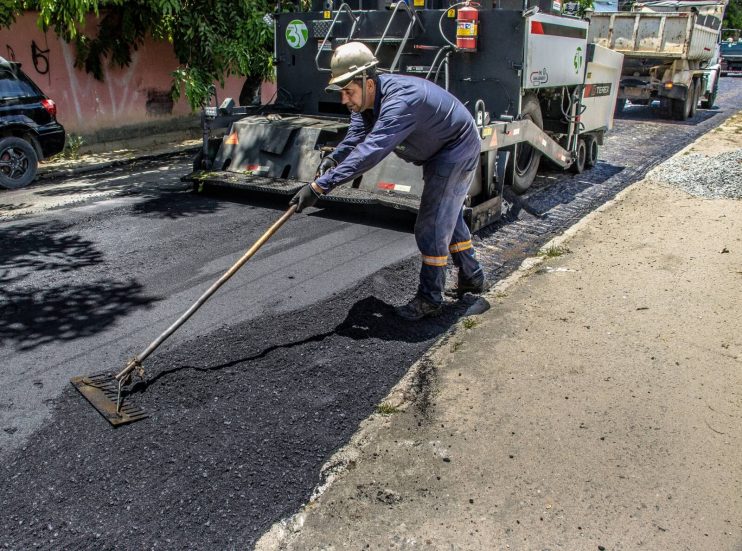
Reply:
x=717 y=177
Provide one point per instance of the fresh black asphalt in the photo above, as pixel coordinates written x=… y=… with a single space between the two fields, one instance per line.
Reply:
x=263 y=385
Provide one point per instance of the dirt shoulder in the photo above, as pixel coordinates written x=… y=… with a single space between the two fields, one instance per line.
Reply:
x=596 y=405
x=723 y=138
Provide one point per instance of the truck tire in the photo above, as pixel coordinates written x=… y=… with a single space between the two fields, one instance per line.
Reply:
x=578 y=167
x=593 y=149
x=523 y=166
x=709 y=102
x=18 y=163
x=694 y=103
x=620 y=105
x=680 y=108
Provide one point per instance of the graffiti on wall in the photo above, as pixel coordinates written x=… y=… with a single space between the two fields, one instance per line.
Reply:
x=40 y=58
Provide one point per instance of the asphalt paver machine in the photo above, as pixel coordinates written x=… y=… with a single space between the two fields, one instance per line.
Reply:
x=529 y=77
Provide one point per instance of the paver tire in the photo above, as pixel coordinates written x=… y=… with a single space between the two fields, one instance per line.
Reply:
x=578 y=167
x=523 y=168
x=18 y=163
x=592 y=151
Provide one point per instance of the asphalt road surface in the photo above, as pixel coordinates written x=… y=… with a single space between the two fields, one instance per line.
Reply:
x=257 y=390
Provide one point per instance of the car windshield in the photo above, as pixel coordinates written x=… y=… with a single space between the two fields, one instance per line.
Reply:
x=15 y=85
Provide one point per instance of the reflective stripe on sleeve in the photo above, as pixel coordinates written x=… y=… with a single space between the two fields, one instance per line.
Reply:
x=435 y=260
x=458 y=247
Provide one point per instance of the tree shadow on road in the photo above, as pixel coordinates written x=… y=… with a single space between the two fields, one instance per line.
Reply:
x=45 y=247
x=35 y=316
x=173 y=206
x=38 y=310
x=8 y=208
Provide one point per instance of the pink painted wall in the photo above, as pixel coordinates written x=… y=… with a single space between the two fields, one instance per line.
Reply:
x=129 y=95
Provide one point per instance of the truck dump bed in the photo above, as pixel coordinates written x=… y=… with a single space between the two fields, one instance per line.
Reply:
x=655 y=35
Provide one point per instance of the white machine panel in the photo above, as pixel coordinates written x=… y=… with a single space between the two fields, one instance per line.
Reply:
x=601 y=87
x=556 y=51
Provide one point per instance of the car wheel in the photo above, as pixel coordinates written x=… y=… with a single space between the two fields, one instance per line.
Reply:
x=18 y=163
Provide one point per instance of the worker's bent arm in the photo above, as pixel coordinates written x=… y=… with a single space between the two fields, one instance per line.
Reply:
x=395 y=123
x=355 y=134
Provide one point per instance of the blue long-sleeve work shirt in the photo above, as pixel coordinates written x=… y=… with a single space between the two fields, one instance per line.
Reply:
x=418 y=120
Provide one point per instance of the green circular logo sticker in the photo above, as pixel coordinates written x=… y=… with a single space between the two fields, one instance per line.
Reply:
x=296 y=34
x=577 y=60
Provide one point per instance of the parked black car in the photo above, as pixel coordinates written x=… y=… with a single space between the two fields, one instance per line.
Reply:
x=29 y=131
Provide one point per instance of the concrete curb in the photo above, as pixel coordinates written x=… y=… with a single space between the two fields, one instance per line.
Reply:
x=58 y=173
x=407 y=391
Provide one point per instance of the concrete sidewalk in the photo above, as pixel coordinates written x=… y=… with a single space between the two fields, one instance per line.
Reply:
x=121 y=151
x=596 y=405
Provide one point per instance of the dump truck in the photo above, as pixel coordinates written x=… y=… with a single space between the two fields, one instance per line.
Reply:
x=667 y=47
x=731 y=51
x=532 y=82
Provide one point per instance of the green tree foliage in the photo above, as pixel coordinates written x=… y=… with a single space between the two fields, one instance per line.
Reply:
x=733 y=15
x=584 y=6
x=8 y=10
x=212 y=39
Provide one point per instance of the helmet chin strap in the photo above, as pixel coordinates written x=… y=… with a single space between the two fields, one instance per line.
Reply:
x=363 y=92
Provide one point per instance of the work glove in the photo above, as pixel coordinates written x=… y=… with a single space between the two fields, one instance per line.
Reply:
x=305 y=197
x=328 y=163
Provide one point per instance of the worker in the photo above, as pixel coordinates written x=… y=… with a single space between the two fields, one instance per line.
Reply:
x=423 y=124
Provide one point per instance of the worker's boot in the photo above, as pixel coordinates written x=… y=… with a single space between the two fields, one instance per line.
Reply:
x=476 y=286
x=418 y=308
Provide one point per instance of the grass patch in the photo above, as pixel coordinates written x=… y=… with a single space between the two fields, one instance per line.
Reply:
x=469 y=323
x=386 y=408
x=72 y=146
x=71 y=151
x=554 y=251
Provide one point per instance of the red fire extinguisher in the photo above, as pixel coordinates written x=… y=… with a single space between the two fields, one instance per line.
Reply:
x=467 y=28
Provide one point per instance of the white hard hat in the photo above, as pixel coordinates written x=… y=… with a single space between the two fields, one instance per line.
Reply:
x=349 y=61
